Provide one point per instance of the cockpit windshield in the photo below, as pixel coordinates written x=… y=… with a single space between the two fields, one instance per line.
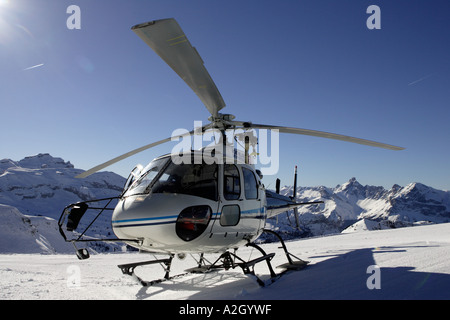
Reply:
x=149 y=173
x=192 y=179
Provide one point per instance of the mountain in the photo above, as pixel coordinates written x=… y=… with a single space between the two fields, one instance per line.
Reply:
x=44 y=185
x=371 y=206
x=33 y=193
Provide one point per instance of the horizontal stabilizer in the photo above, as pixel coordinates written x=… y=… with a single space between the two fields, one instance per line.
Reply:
x=277 y=203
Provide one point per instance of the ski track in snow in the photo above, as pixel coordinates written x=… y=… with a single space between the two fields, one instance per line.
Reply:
x=414 y=264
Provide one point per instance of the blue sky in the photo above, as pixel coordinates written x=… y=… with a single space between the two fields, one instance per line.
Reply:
x=98 y=92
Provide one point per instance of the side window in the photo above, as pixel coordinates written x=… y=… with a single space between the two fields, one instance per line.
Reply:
x=230 y=215
x=250 y=184
x=232 y=184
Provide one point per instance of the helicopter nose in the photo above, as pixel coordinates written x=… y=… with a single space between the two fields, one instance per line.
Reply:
x=162 y=220
x=117 y=217
x=135 y=218
x=125 y=217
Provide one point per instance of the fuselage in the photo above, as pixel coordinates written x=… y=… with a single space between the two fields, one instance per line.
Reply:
x=201 y=206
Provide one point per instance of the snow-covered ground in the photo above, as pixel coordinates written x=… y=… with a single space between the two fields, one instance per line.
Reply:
x=411 y=263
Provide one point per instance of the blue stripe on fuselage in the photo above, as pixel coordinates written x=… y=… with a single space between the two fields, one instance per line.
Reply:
x=174 y=219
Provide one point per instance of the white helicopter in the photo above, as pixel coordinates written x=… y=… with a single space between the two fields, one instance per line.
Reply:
x=199 y=206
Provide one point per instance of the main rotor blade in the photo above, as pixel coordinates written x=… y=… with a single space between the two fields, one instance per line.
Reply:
x=129 y=154
x=167 y=39
x=327 y=135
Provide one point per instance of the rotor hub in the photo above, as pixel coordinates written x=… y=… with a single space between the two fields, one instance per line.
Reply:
x=221 y=117
x=222 y=121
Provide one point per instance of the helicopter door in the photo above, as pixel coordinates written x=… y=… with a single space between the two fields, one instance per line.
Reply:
x=251 y=208
x=228 y=215
x=237 y=208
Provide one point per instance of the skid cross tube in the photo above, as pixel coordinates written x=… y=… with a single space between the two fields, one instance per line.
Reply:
x=230 y=260
x=283 y=245
x=265 y=256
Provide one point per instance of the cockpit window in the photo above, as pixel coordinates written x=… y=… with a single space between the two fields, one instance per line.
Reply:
x=250 y=184
x=149 y=173
x=193 y=179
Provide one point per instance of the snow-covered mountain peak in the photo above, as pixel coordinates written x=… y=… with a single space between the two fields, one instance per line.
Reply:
x=422 y=193
x=352 y=182
x=352 y=186
x=395 y=188
x=43 y=160
x=44 y=185
x=417 y=187
x=6 y=164
x=39 y=161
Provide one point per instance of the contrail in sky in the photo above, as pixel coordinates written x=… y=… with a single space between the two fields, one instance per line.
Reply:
x=36 y=66
x=421 y=79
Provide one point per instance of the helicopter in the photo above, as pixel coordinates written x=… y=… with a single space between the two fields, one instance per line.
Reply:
x=213 y=201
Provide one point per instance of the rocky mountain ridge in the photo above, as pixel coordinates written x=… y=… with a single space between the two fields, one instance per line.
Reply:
x=350 y=202
x=44 y=185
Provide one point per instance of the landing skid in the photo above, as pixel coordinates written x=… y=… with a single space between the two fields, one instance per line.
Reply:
x=227 y=260
x=128 y=269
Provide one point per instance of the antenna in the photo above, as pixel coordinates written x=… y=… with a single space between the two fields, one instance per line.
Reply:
x=294 y=196
x=294 y=193
x=277 y=187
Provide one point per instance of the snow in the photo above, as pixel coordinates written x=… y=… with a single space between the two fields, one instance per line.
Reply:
x=363 y=225
x=21 y=233
x=414 y=263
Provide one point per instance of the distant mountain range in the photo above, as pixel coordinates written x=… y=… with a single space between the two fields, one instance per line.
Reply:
x=352 y=202
x=43 y=185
